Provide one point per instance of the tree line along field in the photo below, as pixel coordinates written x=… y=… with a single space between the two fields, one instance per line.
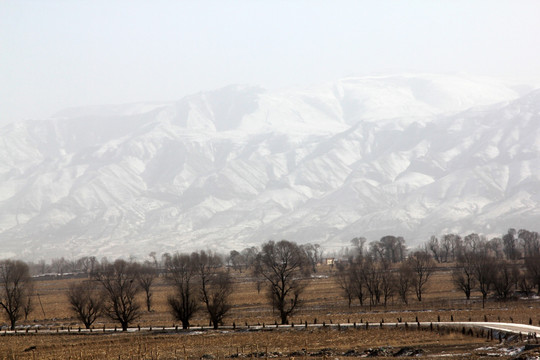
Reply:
x=321 y=298
x=322 y=301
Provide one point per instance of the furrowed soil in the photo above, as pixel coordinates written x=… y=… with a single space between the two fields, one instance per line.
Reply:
x=323 y=303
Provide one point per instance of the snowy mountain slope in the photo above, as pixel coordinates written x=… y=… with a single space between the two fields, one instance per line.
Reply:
x=403 y=155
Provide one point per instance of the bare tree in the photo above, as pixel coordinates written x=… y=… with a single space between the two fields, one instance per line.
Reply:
x=154 y=262
x=389 y=248
x=463 y=275
x=447 y=246
x=404 y=281
x=525 y=283
x=250 y=256
x=236 y=260
x=86 y=264
x=350 y=280
x=483 y=267
x=376 y=251
x=532 y=266
x=15 y=289
x=165 y=257
x=345 y=280
x=215 y=286
x=495 y=247
x=119 y=280
x=313 y=253
x=146 y=275
x=504 y=279
x=530 y=240
x=216 y=291
x=182 y=273
x=422 y=266
x=358 y=280
x=456 y=245
x=85 y=301
x=435 y=248
x=358 y=244
x=388 y=281
x=28 y=305
x=372 y=279
x=510 y=245
x=282 y=265
x=61 y=266
x=474 y=243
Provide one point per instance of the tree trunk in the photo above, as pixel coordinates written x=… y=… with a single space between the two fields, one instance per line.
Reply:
x=284 y=320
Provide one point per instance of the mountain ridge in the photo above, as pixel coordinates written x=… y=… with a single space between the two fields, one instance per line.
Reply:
x=224 y=172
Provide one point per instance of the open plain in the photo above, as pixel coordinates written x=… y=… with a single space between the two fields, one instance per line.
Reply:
x=250 y=330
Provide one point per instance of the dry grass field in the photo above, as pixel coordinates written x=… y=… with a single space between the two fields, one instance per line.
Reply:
x=312 y=343
x=323 y=303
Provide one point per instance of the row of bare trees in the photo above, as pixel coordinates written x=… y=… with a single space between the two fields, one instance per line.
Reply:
x=499 y=266
x=378 y=279
x=201 y=281
x=198 y=278
x=514 y=245
x=481 y=268
x=111 y=291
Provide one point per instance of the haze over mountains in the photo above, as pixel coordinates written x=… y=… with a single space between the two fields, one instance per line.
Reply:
x=408 y=155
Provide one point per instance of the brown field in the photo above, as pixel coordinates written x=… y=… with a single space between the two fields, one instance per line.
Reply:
x=318 y=343
x=323 y=303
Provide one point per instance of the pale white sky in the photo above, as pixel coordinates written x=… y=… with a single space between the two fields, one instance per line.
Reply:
x=60 y=53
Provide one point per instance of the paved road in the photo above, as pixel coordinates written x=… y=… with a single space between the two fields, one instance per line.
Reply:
x=505 y=327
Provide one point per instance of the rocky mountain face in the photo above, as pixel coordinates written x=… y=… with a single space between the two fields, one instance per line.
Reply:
x=410 y=155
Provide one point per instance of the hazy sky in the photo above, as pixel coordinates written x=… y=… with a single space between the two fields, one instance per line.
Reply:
x=56 y=54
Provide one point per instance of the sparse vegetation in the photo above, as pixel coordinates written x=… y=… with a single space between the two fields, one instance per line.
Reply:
x=334 y=294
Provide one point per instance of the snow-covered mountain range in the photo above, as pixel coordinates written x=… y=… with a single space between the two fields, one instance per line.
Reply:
x=408 y=155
